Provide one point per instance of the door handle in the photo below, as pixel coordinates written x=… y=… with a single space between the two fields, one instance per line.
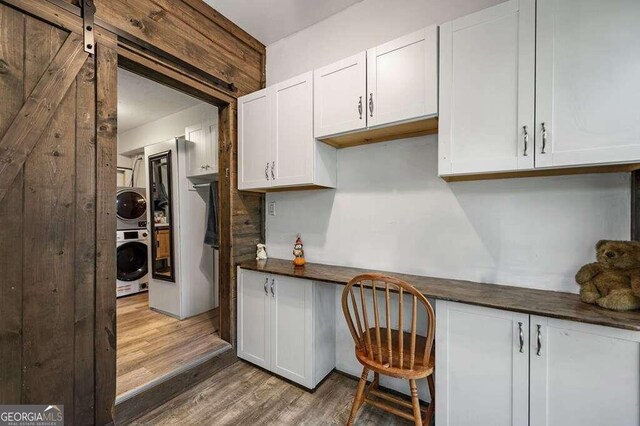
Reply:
x=266 y=281
x=544 y=138
x=273 y=176
x=539 y=340
x=526 y=140
x=360 y=107
x=371 y=104
x=521 y=337
x=273 y=281
x=266 y=171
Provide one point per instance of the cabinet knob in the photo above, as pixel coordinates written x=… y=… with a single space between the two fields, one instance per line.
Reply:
x=273 y=281
x=526 y=140
x=266 y=281
x=539 y=340
x=273 y=176
x=266 y=171
x=360 y=107
x=544 y=138
x=202 y=167
x=521 y=337
x=371 y=104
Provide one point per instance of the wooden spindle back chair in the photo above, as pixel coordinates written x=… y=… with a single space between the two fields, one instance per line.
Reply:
x=386 y=350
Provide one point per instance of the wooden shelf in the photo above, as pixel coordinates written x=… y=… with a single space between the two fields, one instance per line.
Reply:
x=411 y=129
x=616 y=168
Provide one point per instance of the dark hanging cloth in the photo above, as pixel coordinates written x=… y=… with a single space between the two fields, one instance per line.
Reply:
x=211 y=236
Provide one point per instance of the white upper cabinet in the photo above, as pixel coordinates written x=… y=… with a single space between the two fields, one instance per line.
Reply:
x=340 y=92
x=254 y=142
x=202 y=148
x=402 y=78
x=292 y=142
x=588 y=84
x=487 y=90
x=583 y=374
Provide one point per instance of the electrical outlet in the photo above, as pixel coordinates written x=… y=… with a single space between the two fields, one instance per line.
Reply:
x=272 y=208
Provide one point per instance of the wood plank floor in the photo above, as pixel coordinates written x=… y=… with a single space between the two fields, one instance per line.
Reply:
x=245 y=395
x=150 y=344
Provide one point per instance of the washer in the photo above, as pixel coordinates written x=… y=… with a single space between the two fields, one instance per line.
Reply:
x=132 y=271
x=131 y=208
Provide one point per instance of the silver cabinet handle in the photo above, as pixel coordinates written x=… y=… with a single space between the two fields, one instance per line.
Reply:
x=273 y=176
x=371 y=104
x=521 y=337
x=539 y=340
x=202 y=167
x=526 y=140
x=266 y=281
x=273 y=281
x=360 y=107
x=544 y=138
x=266 y=171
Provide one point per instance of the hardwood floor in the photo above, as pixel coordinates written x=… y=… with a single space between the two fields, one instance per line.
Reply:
x=151 y=345
x=243 y=394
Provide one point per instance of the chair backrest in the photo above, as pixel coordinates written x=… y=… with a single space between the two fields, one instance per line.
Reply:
x=381 y=348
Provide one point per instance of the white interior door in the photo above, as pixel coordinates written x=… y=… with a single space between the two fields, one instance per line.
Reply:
x=583 y=374
x=292 y=131
x=211 y=148
x=402 y=78
x=482 y=366
x=487 y=90
x=587 y=84
x=196 y=149
x=254 y=143
x=339 y=96
x=254 y=316
x=291 y=329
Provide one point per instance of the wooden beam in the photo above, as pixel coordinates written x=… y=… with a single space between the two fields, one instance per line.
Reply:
x=635 y=205
x=25 y=131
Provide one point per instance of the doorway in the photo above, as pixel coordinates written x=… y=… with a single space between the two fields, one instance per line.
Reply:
x=167 y=311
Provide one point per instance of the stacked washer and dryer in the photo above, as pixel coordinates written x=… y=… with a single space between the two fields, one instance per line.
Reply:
x=132 y=241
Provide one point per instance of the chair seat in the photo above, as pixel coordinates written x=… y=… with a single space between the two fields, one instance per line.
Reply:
x=391 y=367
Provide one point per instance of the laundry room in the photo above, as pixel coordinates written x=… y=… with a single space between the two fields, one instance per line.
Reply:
x=167 y=233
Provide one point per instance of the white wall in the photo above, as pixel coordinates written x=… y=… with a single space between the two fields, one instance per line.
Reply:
x=392 y=212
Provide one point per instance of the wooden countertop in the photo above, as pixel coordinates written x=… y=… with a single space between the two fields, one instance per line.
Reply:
x=529 y=301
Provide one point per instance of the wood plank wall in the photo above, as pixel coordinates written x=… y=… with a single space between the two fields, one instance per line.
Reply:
x=193 y=32
x=56 y=230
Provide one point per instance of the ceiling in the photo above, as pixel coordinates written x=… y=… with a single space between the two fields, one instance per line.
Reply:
x=271 y=20
x=141 y=101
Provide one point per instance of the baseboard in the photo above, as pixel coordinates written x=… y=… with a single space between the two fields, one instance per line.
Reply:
x=140 y=401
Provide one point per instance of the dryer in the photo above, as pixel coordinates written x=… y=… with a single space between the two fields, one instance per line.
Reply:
x=131 y=208
x=132 y=262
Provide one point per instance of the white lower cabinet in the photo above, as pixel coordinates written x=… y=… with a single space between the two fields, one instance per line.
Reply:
x=287 y=326
x=583 y=374
x=496 y=367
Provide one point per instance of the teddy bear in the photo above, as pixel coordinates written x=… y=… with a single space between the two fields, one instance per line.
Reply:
x=613 y=281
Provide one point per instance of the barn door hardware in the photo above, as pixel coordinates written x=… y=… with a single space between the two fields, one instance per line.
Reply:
x=88 y=12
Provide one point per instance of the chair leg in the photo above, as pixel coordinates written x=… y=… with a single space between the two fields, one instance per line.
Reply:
x=415 y=401
x=376 y=380
x=432 y=405
x=359 y=398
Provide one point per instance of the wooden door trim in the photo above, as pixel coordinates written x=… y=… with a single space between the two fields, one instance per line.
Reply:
x=24 y=132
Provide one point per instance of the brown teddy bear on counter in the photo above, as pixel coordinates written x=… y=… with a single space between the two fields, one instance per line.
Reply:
x=613 y=282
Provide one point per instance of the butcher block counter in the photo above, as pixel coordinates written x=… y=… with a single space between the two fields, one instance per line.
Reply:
x=517 y=299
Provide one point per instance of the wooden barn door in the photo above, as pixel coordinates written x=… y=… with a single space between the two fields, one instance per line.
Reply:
x=57 y=222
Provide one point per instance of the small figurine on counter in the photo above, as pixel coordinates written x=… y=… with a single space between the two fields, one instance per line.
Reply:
x=298 y=252
x=261 y=252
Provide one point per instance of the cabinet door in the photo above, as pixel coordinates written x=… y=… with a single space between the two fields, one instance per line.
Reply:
x=211 y=146
x=482 y=366
x=254 y=317
x=583 y=374
x=196 y=149
x=254 y=145
x=339 y=96
x=292 y=131
x=487 y=90
x=587 y=85
x=402 y=78
x=291 y=329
